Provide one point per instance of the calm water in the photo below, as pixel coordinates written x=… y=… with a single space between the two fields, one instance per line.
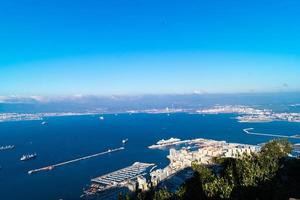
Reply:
x=64 y=138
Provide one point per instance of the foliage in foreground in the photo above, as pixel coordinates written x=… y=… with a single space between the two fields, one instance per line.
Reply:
x=268 y=174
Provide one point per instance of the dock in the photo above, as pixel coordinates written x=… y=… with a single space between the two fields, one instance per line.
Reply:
x=117 y=179
x=248 y=131
x=50 y=167
x=180 y=142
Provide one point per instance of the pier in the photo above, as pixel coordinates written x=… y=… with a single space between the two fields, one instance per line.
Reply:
x=117 y=179
x=122 y=175
x=248 y=131
x=50 y=167
x=169 y=143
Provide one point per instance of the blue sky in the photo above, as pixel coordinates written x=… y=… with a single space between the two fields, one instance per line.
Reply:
x=142 y=46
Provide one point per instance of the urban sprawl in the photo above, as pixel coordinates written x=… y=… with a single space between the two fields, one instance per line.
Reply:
x=197 y=150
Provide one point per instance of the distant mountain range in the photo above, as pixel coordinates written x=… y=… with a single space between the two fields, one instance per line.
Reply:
x=80 y=103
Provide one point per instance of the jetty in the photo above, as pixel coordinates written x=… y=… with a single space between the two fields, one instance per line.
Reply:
x=249 y=131
x=50 y=167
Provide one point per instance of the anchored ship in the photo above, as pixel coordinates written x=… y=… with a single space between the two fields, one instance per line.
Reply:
x=28 y=157
x=7 y=147
x=125 y=141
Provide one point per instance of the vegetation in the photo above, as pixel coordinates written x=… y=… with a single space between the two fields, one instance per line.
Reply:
x=268 y=174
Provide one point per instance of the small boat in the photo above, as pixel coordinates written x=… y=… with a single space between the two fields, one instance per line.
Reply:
x=125 y=141
x=28 y=157
x=44 y=123
x=101 y=118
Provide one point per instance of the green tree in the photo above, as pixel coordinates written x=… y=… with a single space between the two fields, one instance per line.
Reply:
x=162 y=194
x=255 y=176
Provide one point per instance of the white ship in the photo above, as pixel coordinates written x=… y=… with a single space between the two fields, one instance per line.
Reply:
x=125 y=141
x=171 y=140
x=164 y=143
x=7 y=147
x=28 y=157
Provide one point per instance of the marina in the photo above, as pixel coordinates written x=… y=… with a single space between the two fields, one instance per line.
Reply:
x=119 y=178
x=248 y=131
x=50 y=167
x=138 y=176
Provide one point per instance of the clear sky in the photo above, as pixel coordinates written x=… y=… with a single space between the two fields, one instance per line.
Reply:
x=148 y=46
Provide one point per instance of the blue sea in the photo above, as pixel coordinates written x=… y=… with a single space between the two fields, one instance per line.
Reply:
x=65 y=138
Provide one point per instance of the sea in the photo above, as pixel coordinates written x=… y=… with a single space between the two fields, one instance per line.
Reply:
x=65 y=138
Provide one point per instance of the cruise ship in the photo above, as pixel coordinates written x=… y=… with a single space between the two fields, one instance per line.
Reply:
x=28 y=157
x=165 y=143
x=171 y=140
x=7 y=147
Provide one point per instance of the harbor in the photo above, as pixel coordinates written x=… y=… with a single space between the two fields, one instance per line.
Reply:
x=63 y=146
x=138 y=176
x=127 y=177
x=161 y=144
x=203 y=151
x=50 y=167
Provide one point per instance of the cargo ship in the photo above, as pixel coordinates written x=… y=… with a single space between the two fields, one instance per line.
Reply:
x=7 y=147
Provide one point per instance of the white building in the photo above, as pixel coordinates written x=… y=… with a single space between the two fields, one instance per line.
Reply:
x=181 y=159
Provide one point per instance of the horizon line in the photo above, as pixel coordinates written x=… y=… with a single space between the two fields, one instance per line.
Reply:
x=4 y=98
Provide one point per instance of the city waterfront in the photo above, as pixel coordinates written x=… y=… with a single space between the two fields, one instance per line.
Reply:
x=65 y=138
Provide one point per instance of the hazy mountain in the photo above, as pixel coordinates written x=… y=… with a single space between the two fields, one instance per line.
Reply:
x=122 y=103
